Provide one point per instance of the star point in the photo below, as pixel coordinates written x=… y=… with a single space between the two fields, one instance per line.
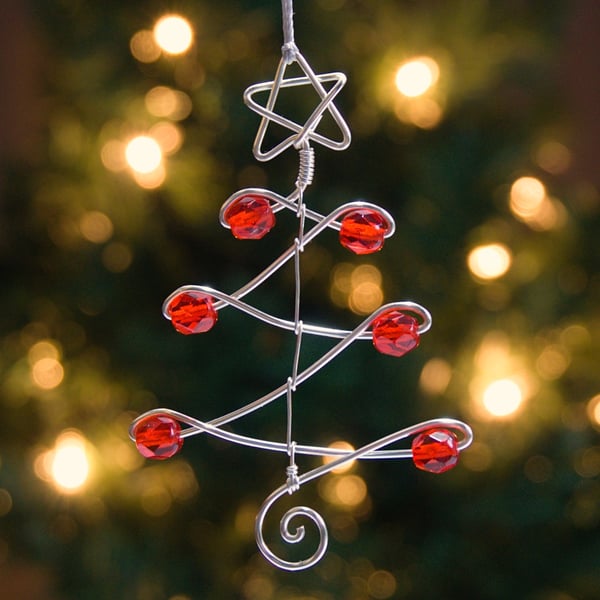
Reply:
x=301 y=134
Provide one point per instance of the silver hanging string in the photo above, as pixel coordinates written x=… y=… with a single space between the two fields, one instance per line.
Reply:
x=289 y=49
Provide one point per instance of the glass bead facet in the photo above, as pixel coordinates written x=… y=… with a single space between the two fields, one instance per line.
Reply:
x=435 y=451
x=363 y=231
x=250 y=217
x=158 y=437
x=192 y=312
x=395 y=333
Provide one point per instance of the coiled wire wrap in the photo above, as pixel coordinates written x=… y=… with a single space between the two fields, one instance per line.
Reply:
x=306 y=169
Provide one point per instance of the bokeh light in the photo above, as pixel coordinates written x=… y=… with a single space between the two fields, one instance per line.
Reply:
x=489 y=261
x=530 y=203
x=435 y=376
x=96 y=227
x=151 y=180
x=527 y=195
x=69 y=465
x=426 y=113
x=143 y=154
x=381 y=585
x=365 y=289
x=593 y=410
x=345 y=491
x=340 y=445
x=168 y=135
x=502 y=398
x=143 y=46
x=47 y=371
x=162 y=101
x=357 y=287
x=417 y=76
x=553 y=157
x=173 y=34
x=112 y=155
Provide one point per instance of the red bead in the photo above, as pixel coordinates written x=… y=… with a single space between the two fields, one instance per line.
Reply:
x=435 y=450
x=363 y=231
x=158 y=437
x=192 y=312
x=250 y=217
x=395 y=333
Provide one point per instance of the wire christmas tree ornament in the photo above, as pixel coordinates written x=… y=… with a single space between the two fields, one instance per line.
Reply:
x=393 y=329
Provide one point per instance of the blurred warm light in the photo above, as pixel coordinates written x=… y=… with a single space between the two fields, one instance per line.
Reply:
x=553 y=361
x=151 y=180
x=259 y=587
x=416 y=76
x=489 y=261
x=341 y=283
x=117 y=257
x=494 y=353
x=47 y=373
x=526 y=196
x=530 y=203
x=245 y=518
x=125 y=455
x=552 y=215
x=162 y=101
x=340 y=445
x=425 y=113
x=593 y=410
x=173 y=33
x=365 y=298
x=358 y=288
x=365 y=289
x=69 y=463
x=576 y=336
x=502 y=398
x=553 y=157
x=587 y=462
x=168 y=135
x=181 y=481
x=144 y=47
x=6 y=502
x=381 y=585
x=365 y=274
x=435 y=376
x=155 y=500
x=143 y=154
x=347 y=491
x=112 y=155
x=43 y=349
x=479 y=458
x=96 y=227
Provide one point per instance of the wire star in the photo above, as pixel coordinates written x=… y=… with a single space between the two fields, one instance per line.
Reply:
x=301 y=133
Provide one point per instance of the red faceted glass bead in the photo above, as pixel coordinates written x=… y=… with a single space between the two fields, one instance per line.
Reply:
x=192 y=312
x=158 y=437
x=395 y=333
x=250 y=217
x=435 y=450
x=363 y=231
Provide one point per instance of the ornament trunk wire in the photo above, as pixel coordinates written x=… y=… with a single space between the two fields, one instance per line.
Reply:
x=300 y=140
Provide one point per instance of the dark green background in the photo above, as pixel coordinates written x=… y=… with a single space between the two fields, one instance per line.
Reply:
x=518 y=519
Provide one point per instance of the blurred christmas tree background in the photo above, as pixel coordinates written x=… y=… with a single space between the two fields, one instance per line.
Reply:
x=475 y=123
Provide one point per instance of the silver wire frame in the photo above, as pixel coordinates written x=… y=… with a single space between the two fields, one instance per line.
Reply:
x=300 y=140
